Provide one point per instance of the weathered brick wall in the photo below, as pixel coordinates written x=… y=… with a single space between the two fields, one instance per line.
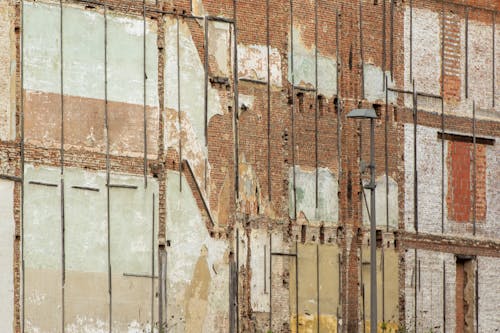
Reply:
x=216 y=166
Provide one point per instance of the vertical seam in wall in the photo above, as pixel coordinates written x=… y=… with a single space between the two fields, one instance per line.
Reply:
x=494 y=62
x=474 y=175
x=144 y=76
x=292 y=114
x=384 y=37
x=466 y=52
x=153 y=268
x=316 y=101
x=386 y=155
x=392 y=40
x=268 y=41
x=236 y=101
x=411 y=40
x=179 y=118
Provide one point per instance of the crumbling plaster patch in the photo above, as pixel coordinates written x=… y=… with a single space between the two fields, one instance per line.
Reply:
x=304 y=67
x=7 y=256
x=305 y=185
x=252 y=63
x=381 y=202
x=191 y=254
x=374 y=83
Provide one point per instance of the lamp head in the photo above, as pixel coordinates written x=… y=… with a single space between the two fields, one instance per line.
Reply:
x=362 y=114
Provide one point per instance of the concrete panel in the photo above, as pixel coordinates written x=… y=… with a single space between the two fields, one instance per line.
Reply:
x=259 y=264
x=304 y=67
x=306 y=194
x=133 y=246
x=198 y=268
x=381 y=203
x=43 y=250
x=220 y=47
x=7 y=72
x=308 y=287
x=7 y=229
x=374 y=81
x=252 y=63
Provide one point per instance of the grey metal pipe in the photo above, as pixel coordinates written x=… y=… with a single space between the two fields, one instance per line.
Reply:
x=373 y=226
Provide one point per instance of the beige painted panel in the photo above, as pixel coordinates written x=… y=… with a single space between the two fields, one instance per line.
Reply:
x=391 y=288
x=7 y=71
x=308 y=288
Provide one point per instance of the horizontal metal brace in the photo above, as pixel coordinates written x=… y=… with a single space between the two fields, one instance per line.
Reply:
x=220 y=19
x=140 y=275
x=132 y=187
x=42 y=184
x=411 y=93
x=244 y=79
x=304 y=88
x=283 y=254
x=9 y=177
x=85 y=188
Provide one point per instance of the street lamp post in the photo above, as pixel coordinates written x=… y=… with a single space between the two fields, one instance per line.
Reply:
x=372 y=115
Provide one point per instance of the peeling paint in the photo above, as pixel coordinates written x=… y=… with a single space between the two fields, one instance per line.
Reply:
x=306 y=194
x=304 y=67
x=374 y=80
x=191 y=254
x=7 y=72
x=381 y=201
x=252 y=63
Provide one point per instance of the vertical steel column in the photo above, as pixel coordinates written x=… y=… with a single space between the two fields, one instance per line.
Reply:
x=442 y=165
x=144 y=75
x=386 y=146
x=415 y=173
x=411 y=40
x=317 y=288
x=384 y=37
x=494 y=62
x=236 y=100
x=108 y=204
x=477 y=295
x=415 y=291
x=373 y=235
x=337 y=55
x=474 y=179
x=466 y=51
x=382 y=259
x=444 y=296
x=293 y=114
x=153 y=268
x=268 y=42
x=205 y=65
x=361 y=51
x=270 y=281
x=442 y=47
x=316 y=100
x=22 y=296
x=179 y=116
x=392 y=40
x=296 y=286
x=237 y=280
x=63 y=231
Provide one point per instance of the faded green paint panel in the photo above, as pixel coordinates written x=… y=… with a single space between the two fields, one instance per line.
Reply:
x=85 y=222
x=42 y=54
x=83 y=47
x=192 y=78
x=305 y=186
x=382 y=202
x=131 y=214
x=42 y=219
x=374 y=84
x=304 y=67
